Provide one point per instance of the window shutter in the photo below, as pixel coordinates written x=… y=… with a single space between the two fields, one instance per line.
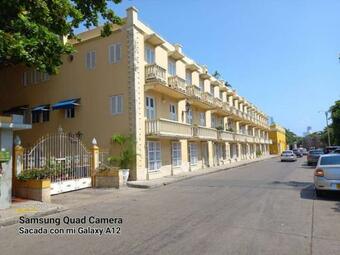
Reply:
x=118 y=53
x=93 y=59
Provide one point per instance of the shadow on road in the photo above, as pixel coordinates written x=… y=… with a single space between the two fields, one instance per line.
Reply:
x=305 y=166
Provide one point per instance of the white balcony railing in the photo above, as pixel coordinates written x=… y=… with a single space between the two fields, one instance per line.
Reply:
x=177 y=83
x=154 y=73
x=194 y=91
x=164 y=127
x=226 y=135
x=218 y=102
x=207 y=97
x=205 y=133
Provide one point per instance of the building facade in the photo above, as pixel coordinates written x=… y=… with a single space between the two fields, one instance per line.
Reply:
x=135 y=82
x=278 y=136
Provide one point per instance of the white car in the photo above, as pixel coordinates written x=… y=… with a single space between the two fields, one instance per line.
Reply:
x=288 y=156
x=327 y=173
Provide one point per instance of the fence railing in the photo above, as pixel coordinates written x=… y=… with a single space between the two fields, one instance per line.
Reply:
x=194 y=91
x=155 y=73
x=177 y=83
x=164 y=127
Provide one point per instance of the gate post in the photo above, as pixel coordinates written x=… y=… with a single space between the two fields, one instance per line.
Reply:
x=17 y=163
x=95 y=160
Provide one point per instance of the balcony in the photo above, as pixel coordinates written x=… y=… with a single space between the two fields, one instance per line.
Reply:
x=167 y=128
x=199 y=98
x=155 y=80
x=226 y=136
x=177 y=83
x=204 y=133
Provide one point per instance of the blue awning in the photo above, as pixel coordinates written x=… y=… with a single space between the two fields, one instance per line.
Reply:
x=41 y=108
x=66 y=104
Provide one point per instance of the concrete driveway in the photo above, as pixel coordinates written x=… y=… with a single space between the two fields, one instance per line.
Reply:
x=265 y=208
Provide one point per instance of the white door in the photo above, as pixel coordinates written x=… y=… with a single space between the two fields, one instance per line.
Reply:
x=150 y=108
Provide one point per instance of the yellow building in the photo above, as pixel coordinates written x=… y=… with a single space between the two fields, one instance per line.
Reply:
x=135 y=82
x=278 y=136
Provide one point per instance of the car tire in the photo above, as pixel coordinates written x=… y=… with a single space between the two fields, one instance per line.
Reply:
x=319 y=193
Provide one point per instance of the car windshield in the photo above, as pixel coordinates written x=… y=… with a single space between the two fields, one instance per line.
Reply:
x=287 y=152
x=332 y=160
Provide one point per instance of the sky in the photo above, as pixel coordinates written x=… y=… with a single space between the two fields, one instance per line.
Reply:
x=282 y=55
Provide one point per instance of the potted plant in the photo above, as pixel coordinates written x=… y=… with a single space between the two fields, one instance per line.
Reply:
x=126 y=156
x=34 y=184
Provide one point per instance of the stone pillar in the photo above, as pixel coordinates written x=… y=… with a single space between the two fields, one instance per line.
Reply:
x=227 y=151
x=95 y=160
x=248 y=151
x=208 y=119
x=211 y=153
x=237 y=125
x=6 y=143
x=17 y=164
x=239 y=151
x=184 y=153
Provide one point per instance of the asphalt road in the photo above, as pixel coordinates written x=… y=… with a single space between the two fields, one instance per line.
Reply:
x=264 y=208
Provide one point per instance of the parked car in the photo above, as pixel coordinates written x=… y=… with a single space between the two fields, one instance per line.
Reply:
x=304 y=151
x=288 y=156
x=327 y=174
x=298 y=153
x=337 y=151
x=330 y=149
x=313 y=156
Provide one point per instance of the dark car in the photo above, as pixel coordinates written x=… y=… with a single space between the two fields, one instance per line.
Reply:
x=313 y=156
x=337 y=151
x=330 y=149
x=298 y=153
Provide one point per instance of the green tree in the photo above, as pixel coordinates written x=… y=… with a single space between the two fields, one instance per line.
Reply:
x=335 y=116
x=217 y=75
x=291 y=137
x=31 y=31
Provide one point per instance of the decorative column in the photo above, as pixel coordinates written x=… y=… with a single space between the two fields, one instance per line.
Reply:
x=238 y=151
x=211 y=153
x=95 y=160
x=227 y=151
x=184 y=153
x=17 y=162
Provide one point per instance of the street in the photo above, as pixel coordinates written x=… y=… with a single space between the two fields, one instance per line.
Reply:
x=267 y=207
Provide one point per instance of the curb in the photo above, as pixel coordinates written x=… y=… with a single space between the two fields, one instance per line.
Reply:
x=14 y=219
x=182 y=178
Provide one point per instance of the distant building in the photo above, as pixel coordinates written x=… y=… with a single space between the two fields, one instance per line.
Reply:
x=278 y=136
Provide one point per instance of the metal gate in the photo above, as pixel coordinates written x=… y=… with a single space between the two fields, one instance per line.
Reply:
x=65 y=156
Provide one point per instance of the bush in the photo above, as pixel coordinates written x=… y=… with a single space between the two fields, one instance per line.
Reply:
x=35 y=174
x=258 y=153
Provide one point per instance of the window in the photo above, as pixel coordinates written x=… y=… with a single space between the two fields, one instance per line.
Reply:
x=116 y=104
x=193 y=153
x=91 y=60
x=149 y=55
x=25 y=81
x=154 y=156
x=171 y=67
x=46 y=116
x=213 y=121
x=173 y=112
x=221 y=95
x=202 y=119
x=211 y=90
x=201 y=85
x=35 y=116
x=176 y=154
x=188 y=78
x=115 y=53
x=150 y=108
x=70 y=113
x=189 y=117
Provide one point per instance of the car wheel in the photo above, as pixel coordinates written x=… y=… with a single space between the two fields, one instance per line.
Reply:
x=319 y=193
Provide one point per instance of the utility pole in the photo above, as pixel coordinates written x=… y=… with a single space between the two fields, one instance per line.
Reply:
x=329 y=138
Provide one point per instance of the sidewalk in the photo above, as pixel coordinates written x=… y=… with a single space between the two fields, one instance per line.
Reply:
x=149 y=184
x=28 y=208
